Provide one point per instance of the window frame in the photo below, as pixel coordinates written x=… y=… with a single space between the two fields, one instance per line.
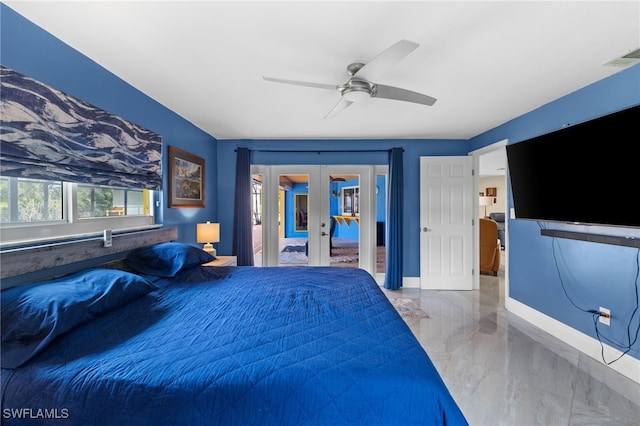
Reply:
x=71 y=226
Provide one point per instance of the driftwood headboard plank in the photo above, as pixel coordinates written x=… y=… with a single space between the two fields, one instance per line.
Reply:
x=31 y=259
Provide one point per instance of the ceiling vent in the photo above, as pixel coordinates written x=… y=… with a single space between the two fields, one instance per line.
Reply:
x=630 y=58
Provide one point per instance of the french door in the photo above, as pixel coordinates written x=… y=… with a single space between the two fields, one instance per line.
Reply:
x=318 y=215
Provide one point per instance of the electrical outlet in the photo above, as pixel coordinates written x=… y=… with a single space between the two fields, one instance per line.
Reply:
x=107 y=238
x=605 y=316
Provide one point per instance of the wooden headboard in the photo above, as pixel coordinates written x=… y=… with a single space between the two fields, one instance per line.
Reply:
x=23 y=265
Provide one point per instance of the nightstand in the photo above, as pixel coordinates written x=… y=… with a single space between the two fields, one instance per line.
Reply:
x=223 y=261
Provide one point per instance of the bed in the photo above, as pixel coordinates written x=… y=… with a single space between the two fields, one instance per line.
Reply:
x=167 y=341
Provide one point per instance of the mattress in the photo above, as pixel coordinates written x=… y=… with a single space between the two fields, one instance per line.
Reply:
x=237 y=346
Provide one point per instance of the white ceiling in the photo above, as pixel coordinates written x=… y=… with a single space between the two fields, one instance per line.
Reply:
x=485 y=62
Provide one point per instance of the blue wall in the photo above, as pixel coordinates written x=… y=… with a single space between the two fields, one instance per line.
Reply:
x=35 y=53
x=594 y=274
x=413 y=150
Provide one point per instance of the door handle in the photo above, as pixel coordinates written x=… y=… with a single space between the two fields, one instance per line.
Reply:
x=425 y=229
x=324 y=234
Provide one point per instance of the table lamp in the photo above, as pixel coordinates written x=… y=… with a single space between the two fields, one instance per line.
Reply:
x=486 y=201
x=208 y=233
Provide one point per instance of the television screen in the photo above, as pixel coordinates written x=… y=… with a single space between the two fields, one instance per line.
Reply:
x=588 y=173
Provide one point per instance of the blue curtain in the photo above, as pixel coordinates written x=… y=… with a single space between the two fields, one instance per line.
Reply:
x=393 y=273
x=242 y=225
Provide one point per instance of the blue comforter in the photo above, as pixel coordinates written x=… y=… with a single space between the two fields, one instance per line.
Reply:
x=238 y=346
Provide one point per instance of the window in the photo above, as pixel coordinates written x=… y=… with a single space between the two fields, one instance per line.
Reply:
x=103 y=201
x=39 y=210
x=30 y=200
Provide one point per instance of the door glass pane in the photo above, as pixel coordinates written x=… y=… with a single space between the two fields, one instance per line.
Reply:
x=294 y=218
x=256 y=217
x=344 y=219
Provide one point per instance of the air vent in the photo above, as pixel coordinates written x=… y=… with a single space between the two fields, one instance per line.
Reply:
x=630 y=58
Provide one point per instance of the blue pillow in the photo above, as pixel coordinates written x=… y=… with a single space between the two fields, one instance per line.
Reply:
x=34 y=315
x=166 y=259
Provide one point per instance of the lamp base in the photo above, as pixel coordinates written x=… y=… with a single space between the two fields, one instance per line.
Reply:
x=209 y=249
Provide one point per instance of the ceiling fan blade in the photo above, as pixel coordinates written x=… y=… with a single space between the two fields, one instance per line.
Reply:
x=338 y=108
x=379 y=65
x=390 y=92
x=303 y=83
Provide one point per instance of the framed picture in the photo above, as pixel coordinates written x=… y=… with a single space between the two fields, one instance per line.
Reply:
x=350 y=201
x=186 y=179
x=492 y=192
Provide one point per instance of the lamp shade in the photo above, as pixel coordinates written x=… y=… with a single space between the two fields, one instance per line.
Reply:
x=208 y=232
x=486 y=201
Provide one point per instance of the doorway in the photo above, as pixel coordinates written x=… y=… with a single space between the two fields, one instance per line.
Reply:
x=491 y=186
x=320 y=216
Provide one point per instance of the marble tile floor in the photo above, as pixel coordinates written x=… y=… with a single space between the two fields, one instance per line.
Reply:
x=501 y=370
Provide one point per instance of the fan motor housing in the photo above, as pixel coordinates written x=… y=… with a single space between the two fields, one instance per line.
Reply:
x=355 y=90
x=353 y=68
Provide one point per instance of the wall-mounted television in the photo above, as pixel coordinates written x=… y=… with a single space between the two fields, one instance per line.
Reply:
x=587 y=173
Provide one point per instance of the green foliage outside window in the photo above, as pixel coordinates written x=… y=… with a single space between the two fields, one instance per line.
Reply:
x=31 y=200
x=94 y=201
x=26 y=200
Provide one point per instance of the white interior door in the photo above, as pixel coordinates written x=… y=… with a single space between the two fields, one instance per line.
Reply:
x=446 y=223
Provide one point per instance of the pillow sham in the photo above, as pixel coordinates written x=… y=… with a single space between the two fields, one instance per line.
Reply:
x=34 y=315
x=166 y=259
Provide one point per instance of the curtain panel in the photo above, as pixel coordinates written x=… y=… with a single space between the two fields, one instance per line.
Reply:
x=47 y=134
x=243 y=224
x=393 y=273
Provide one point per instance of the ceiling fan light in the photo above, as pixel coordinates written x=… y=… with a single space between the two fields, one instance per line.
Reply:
x=355 y=94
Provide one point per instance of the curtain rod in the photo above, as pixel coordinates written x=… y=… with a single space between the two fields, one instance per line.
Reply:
x=319 y=151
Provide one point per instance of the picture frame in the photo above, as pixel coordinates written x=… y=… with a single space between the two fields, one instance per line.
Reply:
x=186 y=179
x=350 y=198
x=492 y=192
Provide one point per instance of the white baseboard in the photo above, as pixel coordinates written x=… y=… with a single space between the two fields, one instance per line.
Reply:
x=411 y=282
x=407 y=282
x=627 y=365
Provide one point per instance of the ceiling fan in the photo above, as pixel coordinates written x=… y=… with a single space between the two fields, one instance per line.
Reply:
x=361 y=86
